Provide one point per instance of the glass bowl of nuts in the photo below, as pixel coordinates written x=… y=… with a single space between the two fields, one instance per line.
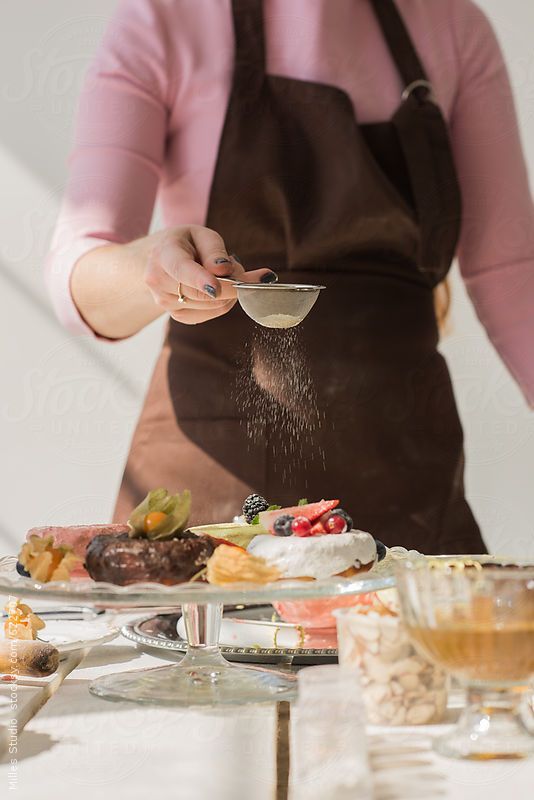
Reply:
x=400 y=686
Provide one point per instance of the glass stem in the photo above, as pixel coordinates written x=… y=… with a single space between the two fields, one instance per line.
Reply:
x=203 y=626
x=490 y=726
x=493 y=701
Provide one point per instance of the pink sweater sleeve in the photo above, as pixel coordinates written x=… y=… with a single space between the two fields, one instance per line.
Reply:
x=117 y=156
x=496 y=251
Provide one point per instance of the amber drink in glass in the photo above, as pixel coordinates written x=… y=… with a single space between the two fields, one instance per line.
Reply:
x=475 y=618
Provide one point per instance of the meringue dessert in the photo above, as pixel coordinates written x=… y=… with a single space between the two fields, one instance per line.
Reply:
x=319 y=556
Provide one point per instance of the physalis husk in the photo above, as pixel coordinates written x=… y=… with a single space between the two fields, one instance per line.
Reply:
x=45 y=562
x=160 y=515
x=21 y=622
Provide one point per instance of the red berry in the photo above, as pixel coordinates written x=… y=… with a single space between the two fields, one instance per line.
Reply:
x=301 y=526
x=336 y=524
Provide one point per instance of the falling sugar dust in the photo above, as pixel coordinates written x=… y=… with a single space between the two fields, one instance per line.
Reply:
x=278 y=400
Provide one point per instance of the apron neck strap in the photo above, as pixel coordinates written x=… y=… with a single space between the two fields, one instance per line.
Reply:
x=249 y=40
x=400 y=44
x=250 y=58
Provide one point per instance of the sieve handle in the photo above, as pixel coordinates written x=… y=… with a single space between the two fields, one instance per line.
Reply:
x=228 y=280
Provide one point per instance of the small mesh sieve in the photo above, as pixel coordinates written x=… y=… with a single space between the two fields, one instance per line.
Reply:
x=276 y=305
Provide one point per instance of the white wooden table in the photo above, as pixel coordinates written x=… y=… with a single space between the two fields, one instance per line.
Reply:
x=80 y=747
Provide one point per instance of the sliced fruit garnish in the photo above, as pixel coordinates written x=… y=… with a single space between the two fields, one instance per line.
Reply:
x=161 y=515
x=234 y=565
x=240 y=535
x=312 y=512
x=317 y=529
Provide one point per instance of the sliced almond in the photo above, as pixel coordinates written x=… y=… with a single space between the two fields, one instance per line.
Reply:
x=409 y=681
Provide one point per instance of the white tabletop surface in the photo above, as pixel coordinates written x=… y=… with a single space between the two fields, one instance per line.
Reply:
x=79 y=747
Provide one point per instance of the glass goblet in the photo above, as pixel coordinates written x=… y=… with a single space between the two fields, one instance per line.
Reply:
x=475 y=618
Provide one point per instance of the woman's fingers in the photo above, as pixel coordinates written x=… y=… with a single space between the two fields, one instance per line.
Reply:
x=170 y=302
x=193 y=256
x=186 y=263
x=211 y=251
x=212 y=254
x=259 y=276
x=181 y=267
x=193 y=316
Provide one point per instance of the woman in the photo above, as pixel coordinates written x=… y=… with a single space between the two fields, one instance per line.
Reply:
x=331 y=143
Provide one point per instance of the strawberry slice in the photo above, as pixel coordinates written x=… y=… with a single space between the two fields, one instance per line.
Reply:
x=317 y=529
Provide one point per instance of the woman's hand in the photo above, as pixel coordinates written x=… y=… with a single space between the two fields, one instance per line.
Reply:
x=120 y=288
x=182 y=270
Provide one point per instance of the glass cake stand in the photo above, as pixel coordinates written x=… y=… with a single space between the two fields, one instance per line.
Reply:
x=203 y=676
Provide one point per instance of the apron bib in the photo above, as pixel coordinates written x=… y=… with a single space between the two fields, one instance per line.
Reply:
x=373 y=212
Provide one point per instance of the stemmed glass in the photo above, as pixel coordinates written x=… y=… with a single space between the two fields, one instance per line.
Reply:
x=475 y=617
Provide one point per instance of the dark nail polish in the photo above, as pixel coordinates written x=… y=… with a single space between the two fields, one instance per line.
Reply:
x=269 y=277
x=222 y=261
x=236 y=258
x=211 y=290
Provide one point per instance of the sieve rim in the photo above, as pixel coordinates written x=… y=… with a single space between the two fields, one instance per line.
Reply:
x=293 y=287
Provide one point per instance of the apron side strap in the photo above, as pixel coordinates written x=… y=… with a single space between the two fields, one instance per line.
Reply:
x=249 y=35
x=401 y=45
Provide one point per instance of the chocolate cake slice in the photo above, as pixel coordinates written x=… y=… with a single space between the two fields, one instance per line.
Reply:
x=123 y=560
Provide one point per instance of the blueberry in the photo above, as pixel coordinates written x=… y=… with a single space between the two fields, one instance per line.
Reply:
x=381 y=550
x=22 y=571
x=282 y=525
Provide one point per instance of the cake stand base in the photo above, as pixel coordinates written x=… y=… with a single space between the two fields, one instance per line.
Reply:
x=180 y=685
x=203 y=677
x=490 y=727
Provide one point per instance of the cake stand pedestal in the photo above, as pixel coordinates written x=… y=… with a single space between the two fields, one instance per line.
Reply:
x=203 y=677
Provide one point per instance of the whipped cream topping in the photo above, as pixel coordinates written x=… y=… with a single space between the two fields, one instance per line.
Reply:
x=315 y=556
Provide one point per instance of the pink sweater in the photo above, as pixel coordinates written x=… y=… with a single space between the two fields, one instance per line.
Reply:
x=152 y=109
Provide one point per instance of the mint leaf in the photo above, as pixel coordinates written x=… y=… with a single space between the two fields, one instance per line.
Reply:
x=303 y=501
x=274 y=508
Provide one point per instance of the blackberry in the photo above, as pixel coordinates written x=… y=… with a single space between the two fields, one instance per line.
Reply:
x=380 y=550
x=282 y=525
x=253 y=505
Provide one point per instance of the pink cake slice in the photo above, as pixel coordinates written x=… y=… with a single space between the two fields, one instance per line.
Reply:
x=77 y=537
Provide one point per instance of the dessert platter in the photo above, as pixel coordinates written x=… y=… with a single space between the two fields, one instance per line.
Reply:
x=405 y=620
x=307 y=561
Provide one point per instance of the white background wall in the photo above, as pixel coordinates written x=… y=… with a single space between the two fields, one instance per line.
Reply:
x=68 y=406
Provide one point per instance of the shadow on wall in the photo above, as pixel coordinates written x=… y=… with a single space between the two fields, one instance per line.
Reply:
x=42 y=307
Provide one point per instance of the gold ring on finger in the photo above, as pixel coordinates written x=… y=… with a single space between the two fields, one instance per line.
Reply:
x=181 y=297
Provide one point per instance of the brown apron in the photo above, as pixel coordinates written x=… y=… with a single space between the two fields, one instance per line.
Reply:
x=373 y=212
